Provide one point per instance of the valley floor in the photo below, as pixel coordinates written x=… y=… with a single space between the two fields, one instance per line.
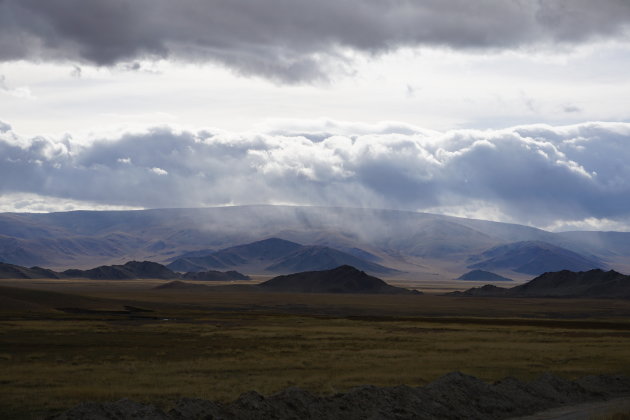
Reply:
x=111 y=342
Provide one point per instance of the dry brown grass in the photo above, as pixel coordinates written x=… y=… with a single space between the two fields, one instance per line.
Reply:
x=218 y=345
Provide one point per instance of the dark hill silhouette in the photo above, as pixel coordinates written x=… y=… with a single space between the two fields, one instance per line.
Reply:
x=533 y=257
x=586 y=284
x=343 y=279
x=11 y=271
x=489 y=290
x=181 y=285
x=276 y=256
x=563 y=284
x=128 y=271
x=481 y=275
x=213 y=275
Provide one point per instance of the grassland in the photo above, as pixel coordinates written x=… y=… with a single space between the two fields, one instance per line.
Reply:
x=218 y=345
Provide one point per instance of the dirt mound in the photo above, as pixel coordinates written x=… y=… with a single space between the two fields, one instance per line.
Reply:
x=452 y=396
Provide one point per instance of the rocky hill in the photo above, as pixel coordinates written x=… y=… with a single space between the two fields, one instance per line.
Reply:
x=343 y=279
x=563 y=284
x=569 y=284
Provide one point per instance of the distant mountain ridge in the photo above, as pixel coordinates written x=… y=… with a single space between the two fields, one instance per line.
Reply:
x=420 y=244
x=128 y=271
x=533 y=257
x=563 y=284
x=277 y=256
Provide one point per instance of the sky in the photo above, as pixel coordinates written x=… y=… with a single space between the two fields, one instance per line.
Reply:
x=513 y=111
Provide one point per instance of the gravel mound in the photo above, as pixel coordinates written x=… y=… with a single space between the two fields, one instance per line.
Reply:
x=453 y=396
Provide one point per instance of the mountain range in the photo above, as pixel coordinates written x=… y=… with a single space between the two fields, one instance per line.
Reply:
x=277 y=256
x=417 y=245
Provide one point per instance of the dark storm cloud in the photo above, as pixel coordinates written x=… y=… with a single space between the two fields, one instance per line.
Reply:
x=290 y=40
x=534 y=174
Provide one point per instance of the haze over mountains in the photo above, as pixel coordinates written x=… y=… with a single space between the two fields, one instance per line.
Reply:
x=416 y=244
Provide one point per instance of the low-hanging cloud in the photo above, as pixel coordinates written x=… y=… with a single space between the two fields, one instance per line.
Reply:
x=291 y=40
x=535 y=174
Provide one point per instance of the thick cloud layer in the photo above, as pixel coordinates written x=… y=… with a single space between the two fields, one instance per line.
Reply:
x=291 y=40
x=535 y=174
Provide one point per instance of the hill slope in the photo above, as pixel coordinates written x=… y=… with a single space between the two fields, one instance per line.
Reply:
x=344 y=279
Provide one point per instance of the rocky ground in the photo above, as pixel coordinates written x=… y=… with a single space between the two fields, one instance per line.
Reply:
x=454 y=396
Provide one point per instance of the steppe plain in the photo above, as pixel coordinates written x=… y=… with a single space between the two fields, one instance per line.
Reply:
x=67 y=341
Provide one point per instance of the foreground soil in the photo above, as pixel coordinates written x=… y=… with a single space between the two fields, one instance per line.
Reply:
x=100 y=343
